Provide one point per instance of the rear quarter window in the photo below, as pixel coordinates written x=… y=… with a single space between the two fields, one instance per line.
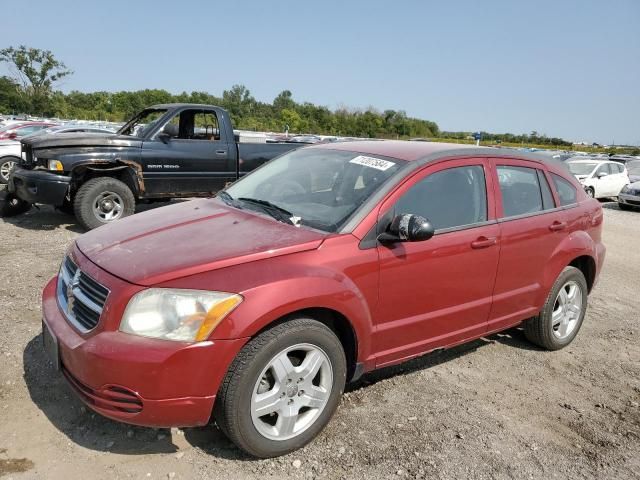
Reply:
x=567 y=193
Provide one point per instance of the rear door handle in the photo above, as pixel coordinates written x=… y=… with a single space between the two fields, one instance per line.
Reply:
x=221 y=152
x=557 y=226
x=484 y=242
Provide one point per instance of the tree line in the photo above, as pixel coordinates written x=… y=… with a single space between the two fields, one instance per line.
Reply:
x=30 y=90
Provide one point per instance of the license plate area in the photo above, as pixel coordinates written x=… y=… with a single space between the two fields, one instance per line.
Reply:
x=50 y=344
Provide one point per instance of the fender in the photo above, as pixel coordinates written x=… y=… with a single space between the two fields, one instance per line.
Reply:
x=132 y=171
x=576 y=244
x=268 y=303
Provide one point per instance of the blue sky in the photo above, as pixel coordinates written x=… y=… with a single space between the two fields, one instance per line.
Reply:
x=566 y=68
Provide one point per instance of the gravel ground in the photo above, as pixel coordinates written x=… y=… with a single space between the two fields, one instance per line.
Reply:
x=494 y=408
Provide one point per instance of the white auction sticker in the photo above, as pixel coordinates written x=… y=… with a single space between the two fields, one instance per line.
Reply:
x=371 y=162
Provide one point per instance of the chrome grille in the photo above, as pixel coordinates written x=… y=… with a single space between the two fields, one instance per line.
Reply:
x=81 y=298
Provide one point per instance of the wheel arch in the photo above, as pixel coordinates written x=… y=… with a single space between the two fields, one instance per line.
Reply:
x=337 y=322
x=125 y=173
x=577 y=250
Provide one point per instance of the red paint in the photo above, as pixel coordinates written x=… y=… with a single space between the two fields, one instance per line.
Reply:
x=401 y=300
x=10 y=132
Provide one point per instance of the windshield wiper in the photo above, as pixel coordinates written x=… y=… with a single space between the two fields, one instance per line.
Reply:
x=226 y=198
x=272 y=209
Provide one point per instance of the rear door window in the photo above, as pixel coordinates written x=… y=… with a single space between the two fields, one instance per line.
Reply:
x=449 y=198
x=521 y=191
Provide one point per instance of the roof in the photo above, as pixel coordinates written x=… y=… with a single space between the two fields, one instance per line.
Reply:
x=170 y=106
x=593 y=160
x=428 y=151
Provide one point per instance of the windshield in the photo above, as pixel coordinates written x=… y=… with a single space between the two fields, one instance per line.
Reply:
x=581 y=168
x=143 y=122
x=633 y=168
x=320 y=188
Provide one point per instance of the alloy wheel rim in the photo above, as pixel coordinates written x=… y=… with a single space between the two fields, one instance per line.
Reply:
x=291 y=392
x=108 y=206
x=5 y=169
x=566 y=310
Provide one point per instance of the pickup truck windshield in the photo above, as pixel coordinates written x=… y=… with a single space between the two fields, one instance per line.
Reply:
x=321 y=188
x=142 y=123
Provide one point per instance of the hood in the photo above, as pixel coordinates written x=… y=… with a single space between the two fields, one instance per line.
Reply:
x=189 y=238
x=52 y=140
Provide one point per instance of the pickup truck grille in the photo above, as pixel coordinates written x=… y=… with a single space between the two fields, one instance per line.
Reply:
x=81 y=298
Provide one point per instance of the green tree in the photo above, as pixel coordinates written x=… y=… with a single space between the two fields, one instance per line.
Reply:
x=37 y=71
x=11 y=100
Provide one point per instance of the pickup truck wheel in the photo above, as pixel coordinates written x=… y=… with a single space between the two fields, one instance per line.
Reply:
x=103 y=200
x=10 y=205
x=282 y=388
x=6 y=165
x=562 y=314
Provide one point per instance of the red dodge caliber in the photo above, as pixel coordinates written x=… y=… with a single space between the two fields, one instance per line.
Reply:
x=256 y=306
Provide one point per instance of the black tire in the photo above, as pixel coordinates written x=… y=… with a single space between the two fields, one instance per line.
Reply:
x=10 y=205
x=540 y=330
x=233 y=403
x=90 y=192
x=5 y=166
x=591 y=192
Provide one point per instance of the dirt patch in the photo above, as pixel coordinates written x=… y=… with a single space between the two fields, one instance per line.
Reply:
x=14 y=465
x=494 y=408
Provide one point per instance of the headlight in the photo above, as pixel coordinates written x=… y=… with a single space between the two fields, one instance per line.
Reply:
x=55 y=165
x=625 y=189
x=175 y=314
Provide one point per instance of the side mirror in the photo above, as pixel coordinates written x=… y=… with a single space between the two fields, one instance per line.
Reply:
x=602 y=174
x=164 y=137
x=407 y=227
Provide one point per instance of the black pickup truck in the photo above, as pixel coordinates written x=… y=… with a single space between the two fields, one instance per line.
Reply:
x=165 y=151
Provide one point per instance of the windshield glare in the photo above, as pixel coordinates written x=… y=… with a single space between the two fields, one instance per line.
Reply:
x=581 y=168
x=143 y=122
x=321 y=188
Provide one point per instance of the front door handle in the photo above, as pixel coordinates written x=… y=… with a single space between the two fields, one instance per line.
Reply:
x=484 y=242
x=221 y=152
x=557 y=226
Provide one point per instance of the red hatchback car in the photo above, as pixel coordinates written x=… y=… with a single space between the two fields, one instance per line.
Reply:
x=256 y=306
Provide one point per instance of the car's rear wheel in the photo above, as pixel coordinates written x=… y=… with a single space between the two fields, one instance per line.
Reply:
x=562 y=314
x=282 y=388
x=103 y=200
x=6 y=166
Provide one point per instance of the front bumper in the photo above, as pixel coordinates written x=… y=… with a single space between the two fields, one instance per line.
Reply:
x=138 y=380
x=632 y=200
x=38 y=186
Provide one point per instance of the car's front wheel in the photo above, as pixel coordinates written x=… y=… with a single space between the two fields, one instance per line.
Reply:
x=591 y=192
x=103 y=200
x=282 y=388
x=562 y=314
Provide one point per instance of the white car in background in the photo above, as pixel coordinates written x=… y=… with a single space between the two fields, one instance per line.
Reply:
x=600 y=178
